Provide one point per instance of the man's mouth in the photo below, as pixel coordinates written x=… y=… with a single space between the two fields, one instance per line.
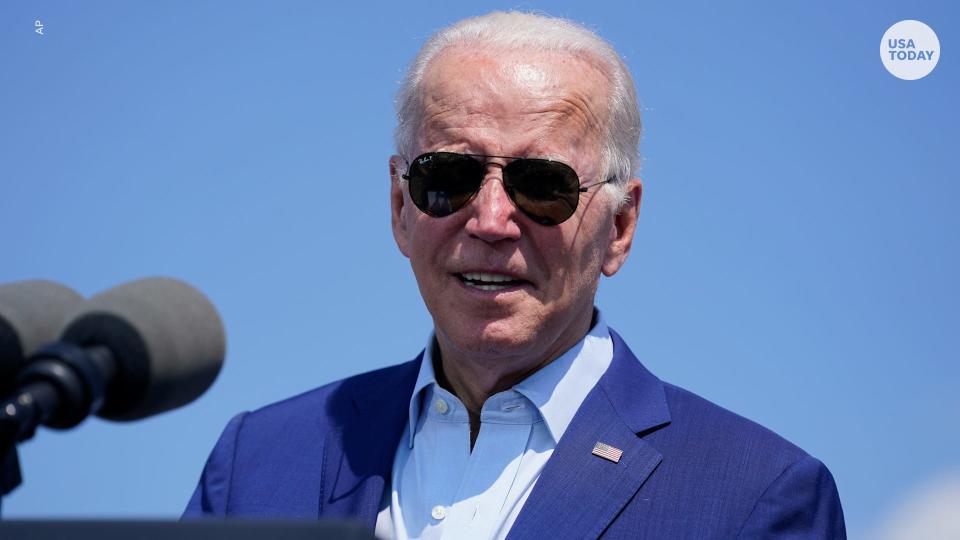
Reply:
x=486 y=281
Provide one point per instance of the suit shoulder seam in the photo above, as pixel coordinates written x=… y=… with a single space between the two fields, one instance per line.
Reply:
x=772 y=483
x=241 y=417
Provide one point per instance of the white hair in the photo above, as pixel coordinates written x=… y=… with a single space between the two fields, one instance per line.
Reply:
x=514 y=30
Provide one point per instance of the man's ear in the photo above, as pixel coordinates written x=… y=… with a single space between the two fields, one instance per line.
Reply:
x=622 y=229
x=400 y=234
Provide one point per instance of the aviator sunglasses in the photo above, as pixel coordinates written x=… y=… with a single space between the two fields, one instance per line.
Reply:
x=546 y=191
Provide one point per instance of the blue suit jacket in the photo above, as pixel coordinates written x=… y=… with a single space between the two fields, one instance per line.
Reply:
x=689 y=468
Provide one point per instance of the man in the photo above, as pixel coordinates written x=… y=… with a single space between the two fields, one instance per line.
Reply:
x=525 y=416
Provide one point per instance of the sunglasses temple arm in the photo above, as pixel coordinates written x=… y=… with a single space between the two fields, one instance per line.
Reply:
x=585 y=188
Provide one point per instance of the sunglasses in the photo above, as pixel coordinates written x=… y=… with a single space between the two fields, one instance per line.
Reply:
x=546 y=191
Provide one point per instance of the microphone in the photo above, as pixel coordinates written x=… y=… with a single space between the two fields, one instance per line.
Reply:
x=31 y=314
x=132 y=351
x=138 y=349
x=166 y=338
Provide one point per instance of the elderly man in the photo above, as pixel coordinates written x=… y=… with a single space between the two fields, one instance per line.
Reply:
x=525 y=416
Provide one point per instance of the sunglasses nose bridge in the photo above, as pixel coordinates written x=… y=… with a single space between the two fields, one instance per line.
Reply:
x=494 y=211
x=494 y=170
x=490 y=167
x=489 y=191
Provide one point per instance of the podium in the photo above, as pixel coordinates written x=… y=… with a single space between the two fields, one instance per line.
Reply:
x=203 y=529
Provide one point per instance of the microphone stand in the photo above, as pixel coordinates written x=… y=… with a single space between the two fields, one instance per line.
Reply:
x=59 y=386
x=9 y=473
x=19 y=417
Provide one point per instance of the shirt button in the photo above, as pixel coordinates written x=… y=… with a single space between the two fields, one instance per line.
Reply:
x=438 y=512
x=442 y=408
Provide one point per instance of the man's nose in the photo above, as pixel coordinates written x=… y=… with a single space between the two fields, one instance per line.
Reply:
x=493 y=215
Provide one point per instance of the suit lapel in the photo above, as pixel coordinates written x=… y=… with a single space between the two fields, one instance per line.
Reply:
x=358 y=456
x=578 y=494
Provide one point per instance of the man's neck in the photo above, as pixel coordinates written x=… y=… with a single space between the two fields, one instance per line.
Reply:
x=452 y=377
x=473 y=381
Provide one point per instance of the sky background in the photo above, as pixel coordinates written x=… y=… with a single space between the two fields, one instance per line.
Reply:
x=796 y=259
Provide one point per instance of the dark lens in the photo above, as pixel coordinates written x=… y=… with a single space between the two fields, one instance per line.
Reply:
x=547 y=191
x=443 y=182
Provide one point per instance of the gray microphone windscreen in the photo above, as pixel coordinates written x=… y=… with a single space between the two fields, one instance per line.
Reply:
x=31 y=314
x=166 y=338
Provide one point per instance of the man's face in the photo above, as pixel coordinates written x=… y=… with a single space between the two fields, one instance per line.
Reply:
x=538 y=104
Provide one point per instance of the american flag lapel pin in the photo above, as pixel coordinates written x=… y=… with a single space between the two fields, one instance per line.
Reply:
x=607 y=452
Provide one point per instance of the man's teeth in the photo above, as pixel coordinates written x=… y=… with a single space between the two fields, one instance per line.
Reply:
x=483 y=276
x=486 y=287
x=486 y=281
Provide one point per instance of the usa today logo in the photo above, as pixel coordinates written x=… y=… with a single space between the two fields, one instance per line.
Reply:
x=910 y=50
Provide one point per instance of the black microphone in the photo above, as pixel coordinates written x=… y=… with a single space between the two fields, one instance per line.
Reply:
x=31 y=314
x=132 y=351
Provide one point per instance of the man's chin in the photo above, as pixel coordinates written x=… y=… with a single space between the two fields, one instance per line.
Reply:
x=495 y=339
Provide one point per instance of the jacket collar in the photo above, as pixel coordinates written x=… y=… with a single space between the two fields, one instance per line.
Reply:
x=636 y=394
x=578 y=493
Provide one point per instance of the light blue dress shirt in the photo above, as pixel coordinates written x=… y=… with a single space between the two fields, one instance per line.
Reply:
x=440 y=489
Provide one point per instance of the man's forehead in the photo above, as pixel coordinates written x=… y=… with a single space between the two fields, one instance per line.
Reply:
x=537 y=68
x=491 y=87
x=529 y=73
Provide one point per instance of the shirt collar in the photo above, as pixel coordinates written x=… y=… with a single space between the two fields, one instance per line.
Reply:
x=425 y=378
x=557 y=389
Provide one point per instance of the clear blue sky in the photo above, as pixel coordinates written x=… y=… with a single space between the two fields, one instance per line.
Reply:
x=796 y=260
